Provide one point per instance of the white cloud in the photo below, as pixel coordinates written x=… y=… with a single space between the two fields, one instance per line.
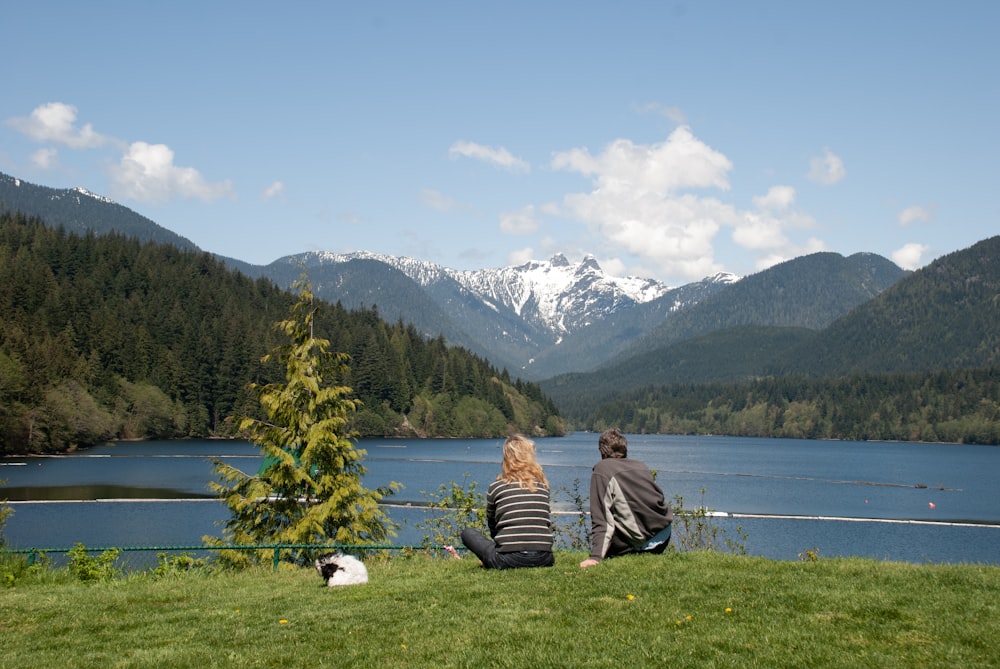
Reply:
x=639 y=206
x=764 y=230
x=45 y=158
x=436 y=200
x=635 y=205
x=827 y=169
x=777 y=198
x=760 y=232
x=520 y=222
x=147 y=173
x=683 y=161
x=276 y=189
x=500 y=157
x=915 y=213
x=909 y=255
x=56 y=122
x=520 y=256
x=614 y=266
x=675 y=114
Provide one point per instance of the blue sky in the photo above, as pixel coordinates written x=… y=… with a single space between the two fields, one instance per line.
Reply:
x=668 y=139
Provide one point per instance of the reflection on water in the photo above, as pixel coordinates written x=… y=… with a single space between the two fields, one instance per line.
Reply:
x=95 y=492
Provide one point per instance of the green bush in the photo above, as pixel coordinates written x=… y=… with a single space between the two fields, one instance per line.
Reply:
x=452 y=508
x=169 y=564
x=696 y=530
x=86 y=568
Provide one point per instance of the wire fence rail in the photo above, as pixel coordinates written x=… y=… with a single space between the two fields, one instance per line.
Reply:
x=34 y=553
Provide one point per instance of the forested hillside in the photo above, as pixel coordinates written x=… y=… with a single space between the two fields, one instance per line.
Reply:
x=944 y=316
x=919 y=362
x=107 y=337
x=807 y=292
x=78 y=211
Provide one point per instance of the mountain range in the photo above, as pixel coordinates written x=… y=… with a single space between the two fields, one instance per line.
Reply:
x=818 y=314
x=945 y=316
x=537 y=319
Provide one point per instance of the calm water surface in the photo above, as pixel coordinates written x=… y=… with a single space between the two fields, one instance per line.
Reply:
x=944 y=495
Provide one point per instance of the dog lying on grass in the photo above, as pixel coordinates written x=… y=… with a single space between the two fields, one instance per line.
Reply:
x=339 y=569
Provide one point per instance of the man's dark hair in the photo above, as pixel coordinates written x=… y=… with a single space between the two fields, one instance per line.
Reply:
x=612 y=444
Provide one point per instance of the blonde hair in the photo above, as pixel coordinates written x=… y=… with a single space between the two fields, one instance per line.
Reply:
x=519 y=464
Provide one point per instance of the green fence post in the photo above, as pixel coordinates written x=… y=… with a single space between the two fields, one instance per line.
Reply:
x=277 y=553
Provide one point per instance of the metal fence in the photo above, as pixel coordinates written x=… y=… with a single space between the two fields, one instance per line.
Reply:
x=34 y=553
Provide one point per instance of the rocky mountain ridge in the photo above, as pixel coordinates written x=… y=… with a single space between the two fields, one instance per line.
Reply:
x=557 y=295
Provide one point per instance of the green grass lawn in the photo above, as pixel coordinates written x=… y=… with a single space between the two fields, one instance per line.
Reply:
x=694 y=609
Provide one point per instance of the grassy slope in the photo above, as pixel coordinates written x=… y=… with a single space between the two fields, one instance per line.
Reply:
x=679 y=610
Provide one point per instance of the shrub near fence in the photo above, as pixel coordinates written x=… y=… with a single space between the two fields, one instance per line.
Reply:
x=108 y=555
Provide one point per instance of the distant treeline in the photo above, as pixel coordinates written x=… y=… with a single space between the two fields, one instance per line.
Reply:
x=107 y=337
x=961 y=406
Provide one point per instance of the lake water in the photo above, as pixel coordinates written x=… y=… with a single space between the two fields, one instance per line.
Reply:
x=895 y=501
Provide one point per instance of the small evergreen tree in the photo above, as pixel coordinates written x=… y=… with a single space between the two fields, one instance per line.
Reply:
x=308 y=489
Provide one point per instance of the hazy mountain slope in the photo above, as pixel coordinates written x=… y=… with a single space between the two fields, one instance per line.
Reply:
x=808 y=292
x=78 y=211
x=725 y=355
x=741 y=330
x=944 y=315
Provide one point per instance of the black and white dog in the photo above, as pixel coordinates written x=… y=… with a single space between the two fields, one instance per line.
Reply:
x=339 y=569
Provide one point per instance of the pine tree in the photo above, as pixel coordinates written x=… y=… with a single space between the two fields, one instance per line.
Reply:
x=308 y=490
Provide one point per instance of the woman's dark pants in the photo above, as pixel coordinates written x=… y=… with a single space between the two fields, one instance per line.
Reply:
x=486 y=550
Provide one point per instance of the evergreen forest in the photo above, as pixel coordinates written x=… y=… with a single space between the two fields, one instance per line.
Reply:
x=956 y=406
x=106 y=337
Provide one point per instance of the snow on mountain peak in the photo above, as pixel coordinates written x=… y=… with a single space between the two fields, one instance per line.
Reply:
x=556 y=294
x=562 y=295
x=99 y=198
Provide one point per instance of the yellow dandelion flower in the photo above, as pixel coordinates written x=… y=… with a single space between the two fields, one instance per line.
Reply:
x=630 y=597
x=728 y=610
x=689 y=618
x=282 y=622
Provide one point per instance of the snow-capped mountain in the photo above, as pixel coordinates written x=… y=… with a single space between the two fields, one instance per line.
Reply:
x=559 y=296
x=539 y=318
x=563 y=297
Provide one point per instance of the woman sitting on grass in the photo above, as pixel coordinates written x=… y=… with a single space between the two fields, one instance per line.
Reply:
x=517 y=513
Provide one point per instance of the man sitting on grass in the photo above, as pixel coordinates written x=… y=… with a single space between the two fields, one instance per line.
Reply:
x=627 y=509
